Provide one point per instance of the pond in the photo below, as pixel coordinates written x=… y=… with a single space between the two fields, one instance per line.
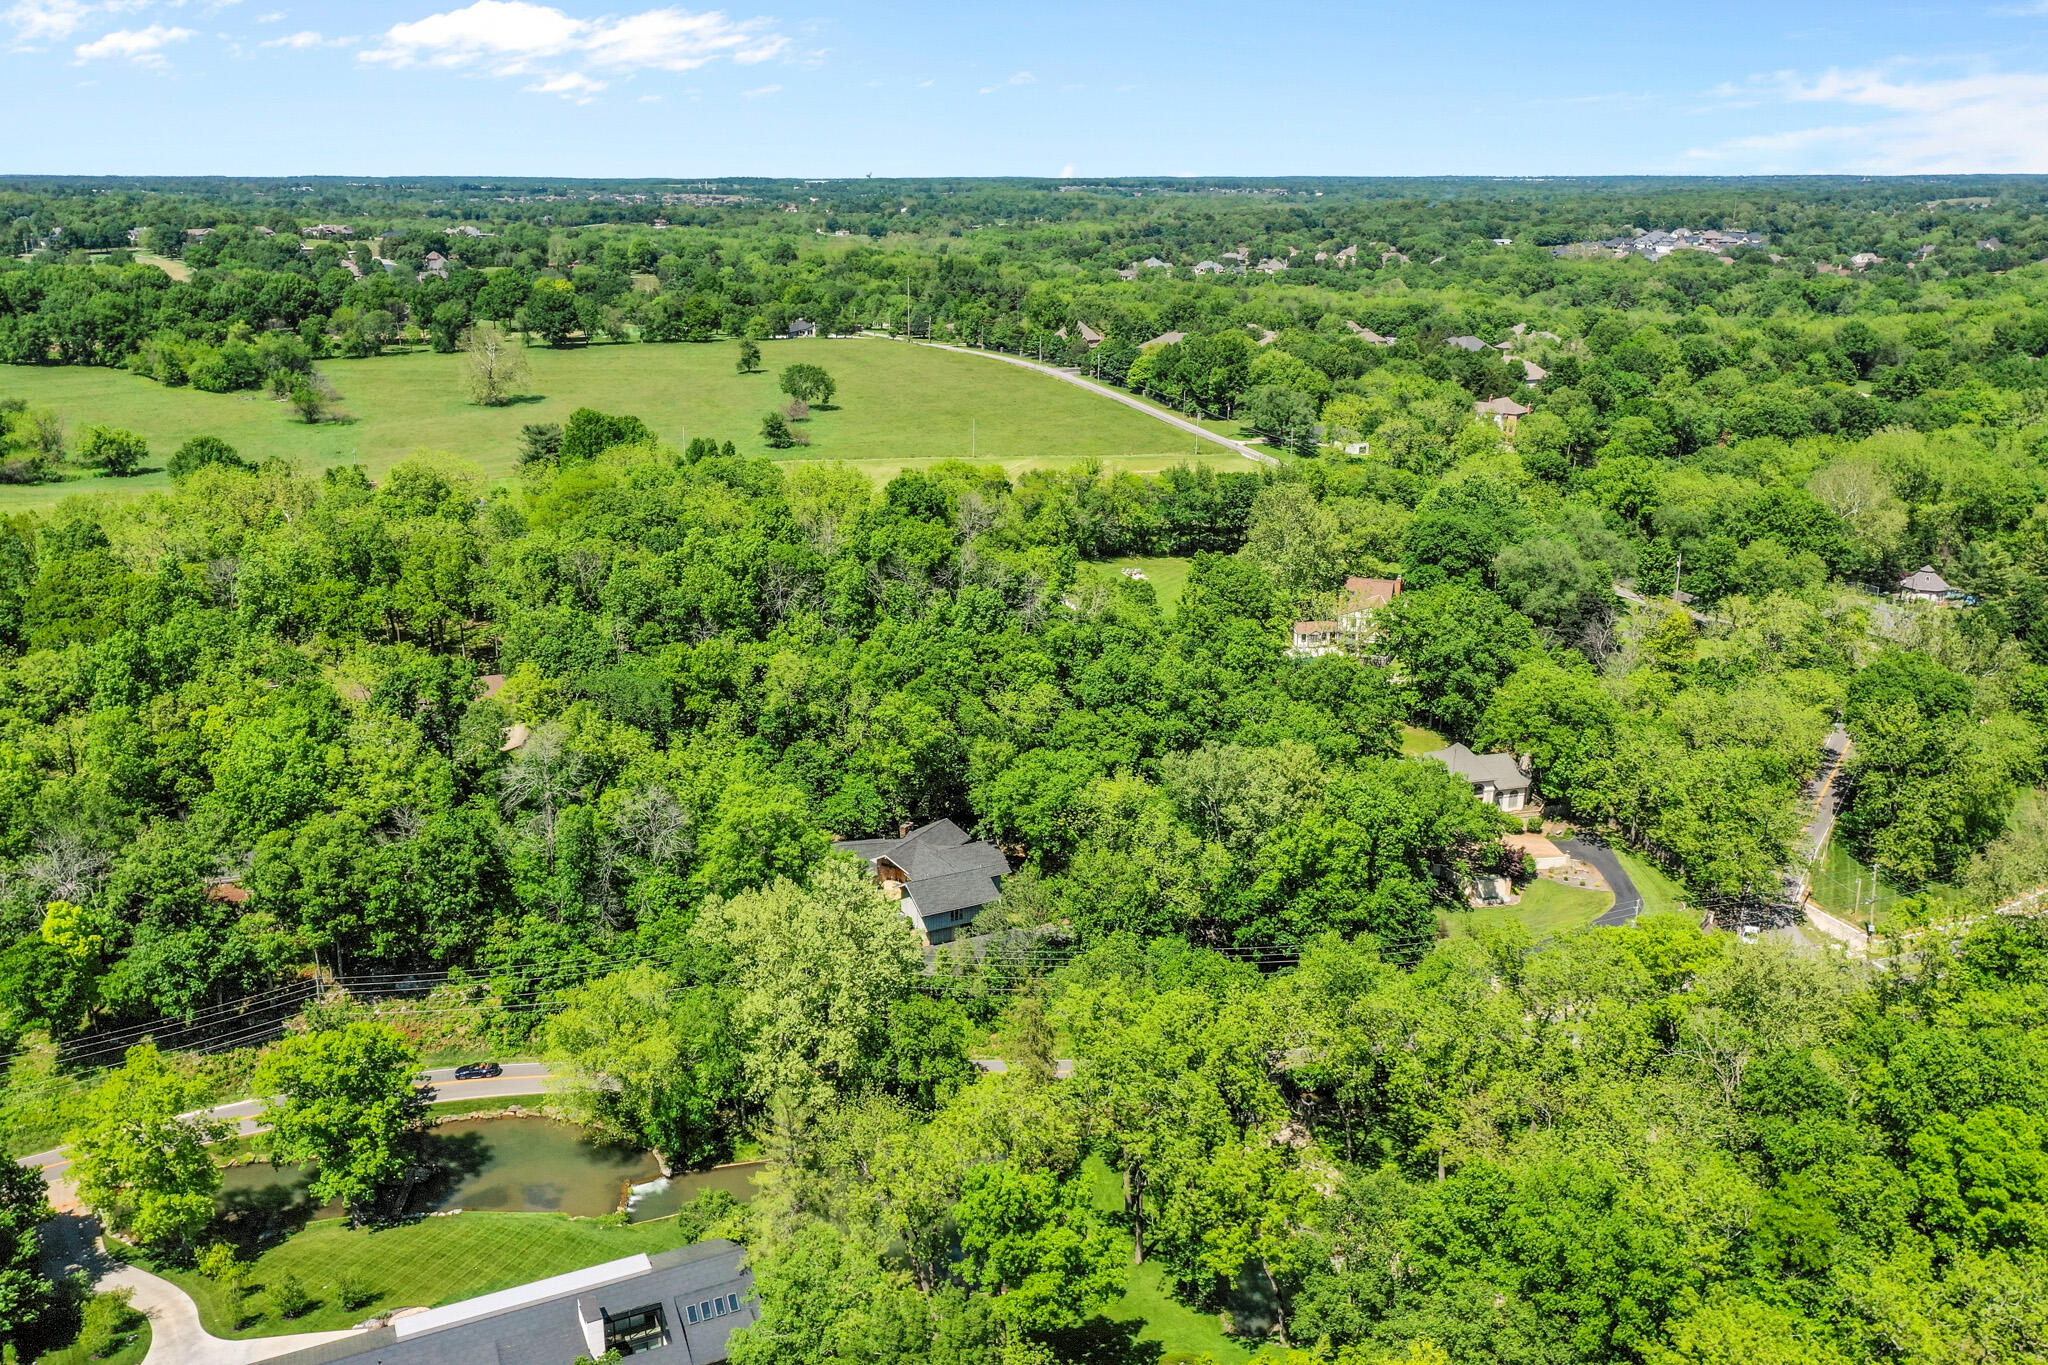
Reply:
x=506 y=1165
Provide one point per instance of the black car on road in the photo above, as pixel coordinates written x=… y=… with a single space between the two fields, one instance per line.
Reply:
x=478 y=1071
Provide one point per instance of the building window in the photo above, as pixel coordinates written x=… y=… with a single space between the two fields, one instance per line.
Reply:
x=693 y=1312
x=718 y=1307
x=734 y=1300
x=636 y=1330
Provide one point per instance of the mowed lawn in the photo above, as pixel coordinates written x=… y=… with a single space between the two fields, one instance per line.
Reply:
x=423 y=1264
x=1547 y=909
x=898 y=407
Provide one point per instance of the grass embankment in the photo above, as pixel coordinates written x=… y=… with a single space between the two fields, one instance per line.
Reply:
x=431 y=1262
x=1168 y=576
x=1547 y=909
x=1415 y=740
x=1183 y=1333
x=897 y=407
x=1661 y=895
x=131 y=1352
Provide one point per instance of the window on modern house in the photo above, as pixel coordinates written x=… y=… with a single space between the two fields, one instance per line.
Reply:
x=636 y=1330
x=734 y=1300
x=705 y=1308
x=693 y=1312
x=718 y=1307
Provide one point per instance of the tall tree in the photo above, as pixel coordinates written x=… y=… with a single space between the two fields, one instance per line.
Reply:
x=144 y=1168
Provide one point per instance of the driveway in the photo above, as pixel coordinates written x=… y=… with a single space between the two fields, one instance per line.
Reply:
x=1628 y=902
x=71 y=1244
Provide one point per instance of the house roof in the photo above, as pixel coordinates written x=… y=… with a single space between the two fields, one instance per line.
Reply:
x=942 y=867
x=1164 y=339
x=1506 y=407
x=1499 y=769
x=953 y=891
x=1466 y=343
x=1314 y=627
x=1924 y=579
x=544 y=1323
x=1365 y=593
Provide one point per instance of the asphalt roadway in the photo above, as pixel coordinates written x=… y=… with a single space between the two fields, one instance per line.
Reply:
x=1628 y=902
x=519 y=1078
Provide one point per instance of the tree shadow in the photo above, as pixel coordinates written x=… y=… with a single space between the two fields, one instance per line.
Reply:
x=445 y=1163
x=1103 y=1341
x=261 y=1217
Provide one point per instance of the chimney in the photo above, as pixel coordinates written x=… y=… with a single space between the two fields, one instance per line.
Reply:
x=903 y=830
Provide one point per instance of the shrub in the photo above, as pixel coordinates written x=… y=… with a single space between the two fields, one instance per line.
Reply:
x=106 y=1324
x=289 y=1297
x=775 y=431
x=540 y=443
x=591 y=433
x=201 y=451
x=112 y=450
x=353 y=1291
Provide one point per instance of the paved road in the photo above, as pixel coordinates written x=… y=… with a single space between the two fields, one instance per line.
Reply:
x=1062 y=1069
x=71 y=1244
x=1628 y=902
x=1075 y=377
x=520 y=1078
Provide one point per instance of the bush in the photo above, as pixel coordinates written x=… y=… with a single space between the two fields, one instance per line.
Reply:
x=112 y=450
x=775 y=431
x=289 y=1297
x=353 y=1291
x=108 y=1321
x=201 y=451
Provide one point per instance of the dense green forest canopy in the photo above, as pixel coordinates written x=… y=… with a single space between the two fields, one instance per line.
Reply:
x=574 y=751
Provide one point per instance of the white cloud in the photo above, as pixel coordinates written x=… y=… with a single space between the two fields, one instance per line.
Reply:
x=1067 y=171
x=650 y=99
x=1890 y=120
x=271 y=17
x=308 y=38
x=519 y=38
x=143 y=46
x=1022 y=78
x=570 y=85
x=36 y=21
x=762 y=93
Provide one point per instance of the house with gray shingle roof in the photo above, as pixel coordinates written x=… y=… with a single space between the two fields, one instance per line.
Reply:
x=943 y=879
x=1497 y=779
x=1466 y=343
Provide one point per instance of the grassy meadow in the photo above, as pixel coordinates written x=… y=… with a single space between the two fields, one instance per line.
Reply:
x=898 y=407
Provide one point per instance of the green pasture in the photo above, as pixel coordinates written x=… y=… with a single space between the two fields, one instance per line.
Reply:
x=1167 y=575
x=897 y=407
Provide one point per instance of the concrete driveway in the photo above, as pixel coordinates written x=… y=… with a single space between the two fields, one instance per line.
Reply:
x=71 y=1244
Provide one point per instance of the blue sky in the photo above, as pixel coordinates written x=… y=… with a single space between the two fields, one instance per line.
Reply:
x=830 y=87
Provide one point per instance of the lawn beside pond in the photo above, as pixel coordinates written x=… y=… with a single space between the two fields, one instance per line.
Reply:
x=433 y=1261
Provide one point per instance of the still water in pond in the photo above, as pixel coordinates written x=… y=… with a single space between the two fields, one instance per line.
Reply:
x=510 y=1165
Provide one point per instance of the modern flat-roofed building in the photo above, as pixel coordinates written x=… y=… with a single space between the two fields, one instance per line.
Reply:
x=676 y=1308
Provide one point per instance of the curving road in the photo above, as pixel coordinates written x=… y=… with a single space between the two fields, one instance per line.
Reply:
x=519 y=1078
x=1628 y=902
x=1075 y=377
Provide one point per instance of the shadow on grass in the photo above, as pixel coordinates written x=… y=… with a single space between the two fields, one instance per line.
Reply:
x=1104 y=1341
